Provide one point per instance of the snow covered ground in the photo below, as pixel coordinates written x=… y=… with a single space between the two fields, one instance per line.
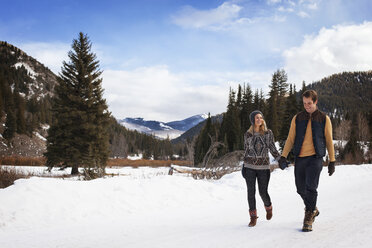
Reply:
x=147 y=208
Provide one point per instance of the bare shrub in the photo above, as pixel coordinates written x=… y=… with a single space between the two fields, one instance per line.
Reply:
x=363 y=128
x=342 y=131
x=92 y=173
x=351 y=159
x=9 y=175
x=216 y=169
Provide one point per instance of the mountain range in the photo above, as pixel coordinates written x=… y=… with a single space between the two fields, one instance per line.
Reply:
x=160 y=129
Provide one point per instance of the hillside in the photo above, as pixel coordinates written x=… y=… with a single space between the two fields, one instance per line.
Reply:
x=194 y=131
x=344 y=92
x=23 y=72
x=25 y=99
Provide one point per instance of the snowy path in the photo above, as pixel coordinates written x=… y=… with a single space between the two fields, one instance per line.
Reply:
x=177 y=211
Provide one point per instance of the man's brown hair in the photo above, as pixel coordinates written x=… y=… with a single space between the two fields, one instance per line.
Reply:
x=311 y=94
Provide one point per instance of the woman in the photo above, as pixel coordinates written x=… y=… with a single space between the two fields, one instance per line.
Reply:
x=258 y=140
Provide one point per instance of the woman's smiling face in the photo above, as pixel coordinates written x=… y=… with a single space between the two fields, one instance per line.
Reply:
x=258 y=119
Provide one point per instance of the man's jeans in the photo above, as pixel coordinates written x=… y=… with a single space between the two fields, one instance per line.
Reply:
x=307 y=172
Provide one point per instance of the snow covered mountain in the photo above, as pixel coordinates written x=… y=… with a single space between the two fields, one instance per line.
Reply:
x=163 y=129
x=32 y=84
x=34 y=80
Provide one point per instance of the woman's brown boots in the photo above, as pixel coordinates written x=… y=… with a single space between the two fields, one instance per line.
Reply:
x=253 y=214
x=269 y=212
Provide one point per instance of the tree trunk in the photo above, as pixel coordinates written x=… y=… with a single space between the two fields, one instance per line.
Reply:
x=74 y=170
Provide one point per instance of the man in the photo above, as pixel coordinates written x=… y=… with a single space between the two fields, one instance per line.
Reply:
x=309 y=135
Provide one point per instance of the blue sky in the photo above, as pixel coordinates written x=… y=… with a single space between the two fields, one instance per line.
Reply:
x=170 y=59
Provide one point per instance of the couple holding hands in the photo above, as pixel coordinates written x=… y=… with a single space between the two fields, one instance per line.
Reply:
x=309 y=136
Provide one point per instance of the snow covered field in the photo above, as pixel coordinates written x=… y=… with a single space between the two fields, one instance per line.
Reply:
x=147 y=208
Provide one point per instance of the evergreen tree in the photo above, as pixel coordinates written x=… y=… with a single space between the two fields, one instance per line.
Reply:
x=300 y=104
x=352 y=148
x=272 y=116
x=168 y=151
x=369 y=119
x=231 y=126
x=239 y=101
x=78 y=134
x=1 y=99
x=203 y=141
x=247 y=108
x=11 y=119
x=262 y=102
x=290 y=111
x=259 y=102
x=10 y=125
x=256 y=100
x=19 y=111
x=276 y=106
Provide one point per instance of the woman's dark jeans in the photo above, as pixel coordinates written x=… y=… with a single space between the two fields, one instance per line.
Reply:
x=263 y=178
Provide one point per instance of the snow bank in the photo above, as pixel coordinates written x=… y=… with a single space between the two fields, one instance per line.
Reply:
x=135 y=156
x=145 y=209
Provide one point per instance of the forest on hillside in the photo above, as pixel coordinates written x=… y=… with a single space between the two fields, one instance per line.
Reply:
x=344 y=93
x=339 y=97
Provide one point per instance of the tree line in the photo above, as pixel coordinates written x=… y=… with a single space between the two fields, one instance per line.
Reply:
x=281 y=104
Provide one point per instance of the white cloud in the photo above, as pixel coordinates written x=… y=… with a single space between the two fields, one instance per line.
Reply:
x=50 y=54
x=224 y=14
x=312 y=6
x=303 y=14
x=273 y=1
x=301 y=8
x=337 y=49
x=283 y=9
x=156 y=93
x=291 y=3
x=232 y=17
x=309 y=4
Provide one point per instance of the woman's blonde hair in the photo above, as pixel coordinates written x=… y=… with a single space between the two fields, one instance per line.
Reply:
x=262 y=129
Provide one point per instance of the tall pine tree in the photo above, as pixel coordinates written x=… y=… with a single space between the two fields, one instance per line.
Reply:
x=203 y=142
x=290 y=111
x=300 y=103
x=20 y=111
x=276 y=106
x=1 y=98
x=11 y=118
x=247 y=108
x=78 y=134
x=231 y=127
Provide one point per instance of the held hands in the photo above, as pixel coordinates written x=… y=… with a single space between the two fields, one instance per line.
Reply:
x=331 y=168
x=283 y=163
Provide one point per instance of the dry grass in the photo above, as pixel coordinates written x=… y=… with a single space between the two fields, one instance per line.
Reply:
x=117 y=162
x=9 y=175
x=143 y=162
x=23 y=161
x=350 y=159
